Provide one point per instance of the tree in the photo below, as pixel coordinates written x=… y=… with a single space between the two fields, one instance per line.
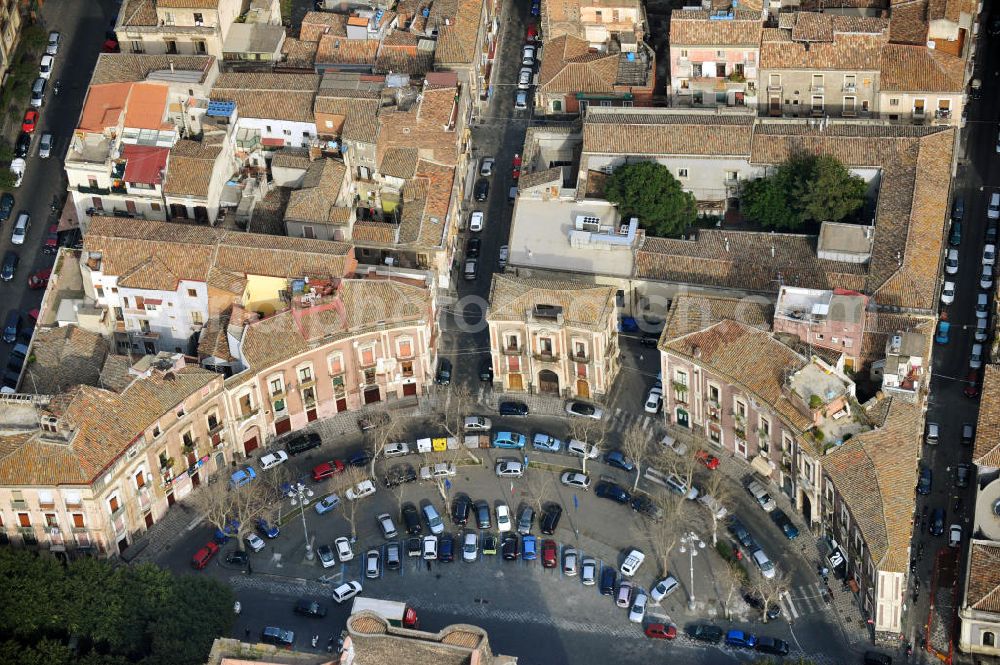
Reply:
x=384 y=431
x=662 y=534
x=719 y=488
x=458 y=403
x=770 y=590
x=541 y=487
x=589 y=431
x=650 y=192
x=805 y=189
x=225 y=505
x=351 y=476
x=635 y=442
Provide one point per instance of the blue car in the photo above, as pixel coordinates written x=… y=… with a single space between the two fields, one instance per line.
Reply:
x=617 y=458
x=547 y=442
x=242 y=476
x=628 y=325
x=232 y=528
x=737 y=638
x=924 y=484
x=266 y=529
x=536 y=9
x=612 y=491
x=529 y=548
x=942 y=332
x=509 y=440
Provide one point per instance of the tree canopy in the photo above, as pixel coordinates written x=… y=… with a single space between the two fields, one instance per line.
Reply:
x=649 y=191
x=805 y=189
x=126 y=614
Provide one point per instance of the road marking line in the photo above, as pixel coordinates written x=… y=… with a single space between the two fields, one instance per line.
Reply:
x=786 y=600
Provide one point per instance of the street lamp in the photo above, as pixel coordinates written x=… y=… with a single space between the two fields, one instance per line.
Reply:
x=300 y=495
x=691 y=543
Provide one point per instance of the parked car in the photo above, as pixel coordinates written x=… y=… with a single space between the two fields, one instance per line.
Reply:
x=638 y=610
x=955 y=535
x=433 y=519
x=510 y=546
x=309 y=608
x=508 y=468
x=482 y=189
x=528 y=55
x=529 y=547
x=242 y=477
x=948 y=293
x=509 y=440
x=461 y=506
x=360 y=491
x=411 y=519
x=633 y=560
x=951 y=262
x=388 y=528
x=360 y=459
x=525 y=519
x=570 y=559
x=785 y=524
x=989 y=254
x=575 y=479
x=272 y=460
x=524 y=78
x=936 y=524
x=503 y=518
x=738 y=638
x=396 y=449
x=575 y=408
x=9 y=267
x=477 y=424
x=546 y=442
x=446 y=548
x=643 y=504
x=763 y=563
x=327 y=504
x=513 y=409
x=924 y=481
x=7 y=203
x=486 y=166
x=581 y=449
x=45 y=146
x=754 y=600
x=588 y=571
x=772 y=645
x=21 y=149
x=550 y=518
x=623 y=596
x=278 y=637
x=373 y=564
x=30 y=121
x=268 y=530
x=443 y=376
x=482 y=514
x=430 y=552
x=470 y=546
x=45 y=66
x=620 y=460
x=439 y=470
x=609 y=578
x=343 y=547
x=346 y=591
x=326 y=557
x=664 y=588
x=660 y=631
x=962 y=474
x=204 y=555
x=943 y=329
x=55 y=39
x=399 y=474
x=613 y=491
x=476 y=219
x=710 y=461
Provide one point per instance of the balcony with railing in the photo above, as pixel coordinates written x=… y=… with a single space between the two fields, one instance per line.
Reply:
x=93 y=189
x=546 y=356
x=512 y=350
x=578 y=357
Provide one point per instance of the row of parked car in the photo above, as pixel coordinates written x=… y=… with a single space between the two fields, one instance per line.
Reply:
x=30 y=120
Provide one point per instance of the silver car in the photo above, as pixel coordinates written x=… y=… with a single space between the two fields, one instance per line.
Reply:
x=588 y=571
x=575 y=479
x=524 y=78
x=470 y=547
x=373 y=564
x=569 y=562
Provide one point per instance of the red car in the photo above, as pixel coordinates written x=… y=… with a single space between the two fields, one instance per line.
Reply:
x=204 y=555
x=517 y=160
x=327 y=469
x=30 y=121
x=532 y=33
x=710 y=461
x=550 y=554
x=39 y=279
x=660 y=631
x=51 y=245
x=971 y=382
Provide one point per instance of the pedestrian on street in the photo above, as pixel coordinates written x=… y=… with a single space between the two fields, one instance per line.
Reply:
x=249 y=569
x=248 y=633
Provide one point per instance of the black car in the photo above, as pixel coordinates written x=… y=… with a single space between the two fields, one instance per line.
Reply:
x=10 y=261
x=609 y=580
x=482 y=189
x=360 y=459
x=742 y=535
x=6 y=206
x=513 y=409
x=483 y=515
x=936 y=524
x=414 y=546
x=472 y=248
x=582 y=408
x=612 y=491
x=411 y=519
x=399 y=474
x=443 y=377
x=303 y=442
x=23 y=145
x=704 y=632
x=772 y=645
x=754 y=600
x=784 y=523
x=646 y=506
x=460 y=510
x=650 y=340
x=486 y=371
x=510 y=546
x=310 y=608
x=10 y=379
x=550 y=518
x=237 y=558
x=446 y=548
x=991 y=232
x=962 y=474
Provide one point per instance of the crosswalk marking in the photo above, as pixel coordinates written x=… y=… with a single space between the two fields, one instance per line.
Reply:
x=788 y=606
x=803 y=600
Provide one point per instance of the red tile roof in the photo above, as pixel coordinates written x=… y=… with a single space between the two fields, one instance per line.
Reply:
x=145 y=164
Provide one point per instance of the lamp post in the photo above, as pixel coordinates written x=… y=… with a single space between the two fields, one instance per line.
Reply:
x=300 y=495
x=691 y=543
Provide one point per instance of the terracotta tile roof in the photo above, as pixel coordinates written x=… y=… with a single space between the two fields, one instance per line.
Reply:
x=64 y=357
x=695 y=28
x=379 y=233
x=403 y=60
x=920 y=69
x=316 y=202
x=543 y=177
x=456 y=42
x=269 y=96
x=138 y=13
x=983 y=590
x=196 y=252
x=426 y=200
x=583 y=305
x=638 y=133
x=115 y=374
x=294 y=158
x=213 y=341
x=825 y=42
x=299 y=53
x=909 y=22
x=230 y=282
x=724 y=348
x=399 y=162
x=189 y=168
x=568 y=68
x=268 y=215
x=880 y=325
x=188 y=4
x=422 y=126
x=986 y=452
x=103 y=106
x=316 y=24
x=104 y=425
x=690 y=314
x=951 y=10
x=875 y=472
x=337 y=50
x=130 y=67
x=358 y=305
x=361 y=114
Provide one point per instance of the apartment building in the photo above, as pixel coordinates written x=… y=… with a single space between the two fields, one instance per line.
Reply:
x=178 y=27
x=595 y=21
x=827 y=319
x=10 y=33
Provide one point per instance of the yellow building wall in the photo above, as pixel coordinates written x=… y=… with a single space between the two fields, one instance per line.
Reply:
x=262 y=293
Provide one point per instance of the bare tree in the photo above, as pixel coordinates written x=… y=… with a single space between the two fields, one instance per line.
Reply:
x=384 y=430
x=663 y=533
x=729 y=580
x=459 y=403
x=770 y=590
x=215 y=502
x=635 y=444
x=589 y=431
x=718 y=487
x=351 y=476
x=541 y=487
x=225 y=504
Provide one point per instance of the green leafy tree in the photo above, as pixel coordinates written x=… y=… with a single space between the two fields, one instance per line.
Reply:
x=806 y=189
x=650 y=192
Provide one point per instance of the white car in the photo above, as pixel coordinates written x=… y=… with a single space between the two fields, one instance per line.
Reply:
x=45 y=146
x=17 y=167
x=361 y=490
x=470 y=547
x=430 y=548
x=503 y=518
x=439 y=470
x=373 y=564
x=713 y=506
x=508 y=468
x=982 y=332
x=52 y=48
x=638 y=611
x=326 y=557
x=588 y=571
x=674 y=445
x=675 y=484
x=255 y=542
x=955 y=535
x=569 y=562
x=528 y=55
x=388 y=528
x=948 y=293
x=765 y=565
x=476 y=220
x=664 y=588
x=396 y=449
x=486 y=167
x=581 y=449
x=976 y=357
x=346 y=591
x=575 y=408
x=575 y=479
x=343 y=546
x=986 y=279
x=521 y=100
x=632 y=562
x=478 y=424
x=653 y=402
x=989 y=255
x=993 y=207
x=524 y=78
x=951 y=262
x=45 y=67
x=272 y=460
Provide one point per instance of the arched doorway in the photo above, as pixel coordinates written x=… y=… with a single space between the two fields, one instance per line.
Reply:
x=548 y=382
x=682 y=418
x=250 y=441
x=806 y=508
x=582 y=389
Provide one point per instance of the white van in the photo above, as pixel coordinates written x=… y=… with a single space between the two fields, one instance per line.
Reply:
x=759 y=493
x=20 y=228
x=933 y=432
x=993 y=209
